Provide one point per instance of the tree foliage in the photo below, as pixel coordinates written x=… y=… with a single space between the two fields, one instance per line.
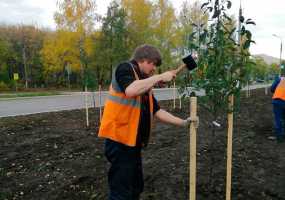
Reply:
x=138 y=20
x=115 y=38
x=222 y=60
x=82 y=52
x=70 y=48
x=164 y=28
x=25 y=43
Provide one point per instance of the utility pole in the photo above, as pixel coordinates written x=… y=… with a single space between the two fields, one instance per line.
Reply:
x=280 y=59
x=239 y=24
x=280 y=47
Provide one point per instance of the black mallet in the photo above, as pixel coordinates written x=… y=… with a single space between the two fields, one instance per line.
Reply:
x=189 y=63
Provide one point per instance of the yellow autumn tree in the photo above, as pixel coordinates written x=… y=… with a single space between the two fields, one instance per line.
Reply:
x=139 y=19
x=59 y=53
x=165 y=31
x=191 y=20
x=71 y=45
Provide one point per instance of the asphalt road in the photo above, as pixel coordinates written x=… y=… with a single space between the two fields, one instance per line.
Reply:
x=78 y=100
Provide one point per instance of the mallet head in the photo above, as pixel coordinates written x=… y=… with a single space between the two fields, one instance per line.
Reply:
x=189 y=62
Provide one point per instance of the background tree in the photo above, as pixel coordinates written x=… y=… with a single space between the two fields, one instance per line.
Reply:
x=192 y=21
x=138 y=21
x=114 y=40
x=29 y=43
x=60 y=53
x=260 y=70
x=78 y=17
x=81 y=51
x=164 y=32
x=24 y=58
x=4 y=70
x=274 y=70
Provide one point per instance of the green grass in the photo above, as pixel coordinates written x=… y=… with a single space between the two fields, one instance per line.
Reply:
x=28 y=94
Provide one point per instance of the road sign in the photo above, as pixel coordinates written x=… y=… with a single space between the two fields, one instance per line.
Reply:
x=16 y=76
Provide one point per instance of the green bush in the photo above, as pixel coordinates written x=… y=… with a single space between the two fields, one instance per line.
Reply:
x=3 y=86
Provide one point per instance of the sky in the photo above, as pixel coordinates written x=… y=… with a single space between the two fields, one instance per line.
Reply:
x=269 y=17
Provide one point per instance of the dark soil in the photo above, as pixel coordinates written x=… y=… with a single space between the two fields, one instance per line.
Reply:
x=53 y=156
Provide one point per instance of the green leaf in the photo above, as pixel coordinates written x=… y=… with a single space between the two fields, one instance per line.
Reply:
x=246 y=45
x=229 y=5
x=248 y=34
x=251 y=62
x=242 y=31
x=216 y=14
x=204 y=4
x=250 y=22
x=241 y=19
x=210 y=9
x=249 y=19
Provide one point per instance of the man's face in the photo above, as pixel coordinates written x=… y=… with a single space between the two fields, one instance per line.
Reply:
x=147 y=67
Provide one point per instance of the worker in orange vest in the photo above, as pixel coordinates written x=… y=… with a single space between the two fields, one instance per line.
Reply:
x=278 y=101
x=127 y=120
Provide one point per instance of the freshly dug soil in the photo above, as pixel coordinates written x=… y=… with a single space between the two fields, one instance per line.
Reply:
x=54 y=156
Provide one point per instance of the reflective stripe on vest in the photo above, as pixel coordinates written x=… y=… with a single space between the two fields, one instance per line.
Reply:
x=280 y=90
x=130 y=102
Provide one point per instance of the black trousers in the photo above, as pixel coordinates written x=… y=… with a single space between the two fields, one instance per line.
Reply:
x=125 y=177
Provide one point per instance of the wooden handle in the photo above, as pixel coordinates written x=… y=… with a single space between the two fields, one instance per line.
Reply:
x=86 y=107
x=180 y=68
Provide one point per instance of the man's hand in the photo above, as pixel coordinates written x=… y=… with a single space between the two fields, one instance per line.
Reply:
x=167 y=76
x=187 y=121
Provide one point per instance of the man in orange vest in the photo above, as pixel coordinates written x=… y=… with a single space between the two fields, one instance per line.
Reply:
x=278 y=101
x=127 y=120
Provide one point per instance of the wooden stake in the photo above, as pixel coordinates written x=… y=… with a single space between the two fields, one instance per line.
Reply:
x=174 y=94
x=229 y=149
x=247 y=91
x=100 y=108
x=180 y=104
x=86 y=107
x=192 y=178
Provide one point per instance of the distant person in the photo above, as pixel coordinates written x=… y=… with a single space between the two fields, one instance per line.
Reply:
x=127 y=120
x=278 y=101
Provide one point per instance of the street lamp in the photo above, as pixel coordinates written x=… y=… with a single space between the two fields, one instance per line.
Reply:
x=280 y=47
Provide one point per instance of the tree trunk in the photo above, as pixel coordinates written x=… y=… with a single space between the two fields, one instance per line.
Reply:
x=25 y=67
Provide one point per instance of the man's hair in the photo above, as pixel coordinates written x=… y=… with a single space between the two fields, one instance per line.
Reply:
x=147 y=52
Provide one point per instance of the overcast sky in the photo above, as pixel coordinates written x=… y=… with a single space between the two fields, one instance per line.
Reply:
x=268 y=15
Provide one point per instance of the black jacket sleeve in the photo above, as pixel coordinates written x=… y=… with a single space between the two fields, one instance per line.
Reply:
x=124 y=75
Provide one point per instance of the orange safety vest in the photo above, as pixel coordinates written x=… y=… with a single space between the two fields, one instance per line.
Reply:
x=121 y=116
x=280 y=90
